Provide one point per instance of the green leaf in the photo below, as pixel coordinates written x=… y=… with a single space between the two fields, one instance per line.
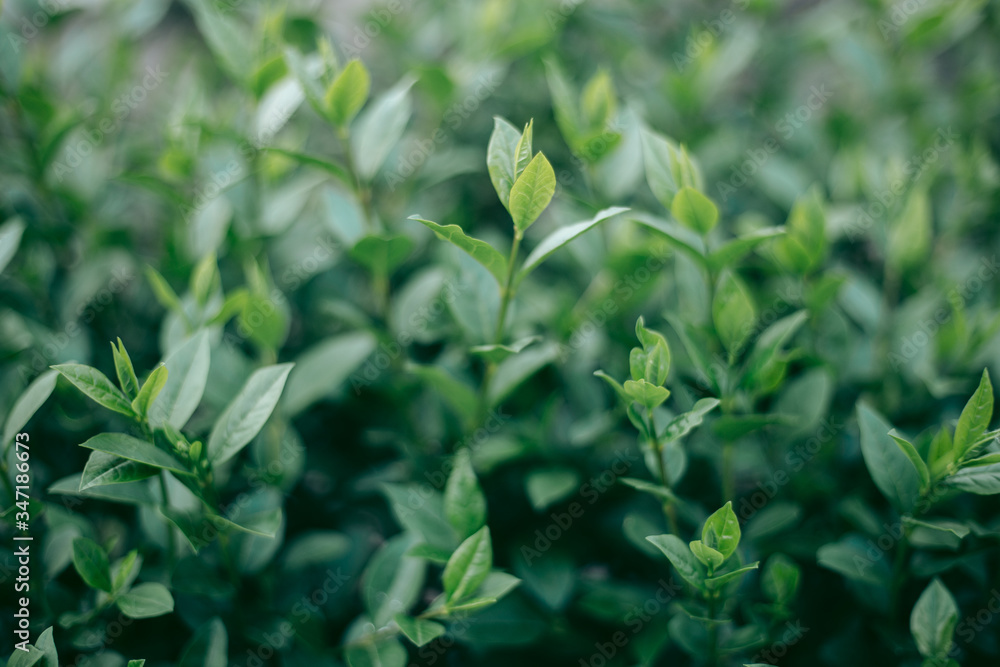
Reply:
x=496 y=354
x=722 y=579
x=561 y=237
x=27 y=658
x=729 y=254
x=911 y=234
x=652 y=361
x=523 y=152
x=481 y=251
x=548 y=486
x=418 y=630
x=146 y=601
x=911 y=453
x=733 y=313
x=226 y=37
x=209 y=647
x=382 y=254
x=103 y=468
x=348 y=93
x=205 y=279
x=804 y=246
x=392 y=581
x=46 y=644
x=614 y=384
x=380 y=127
x=975 y=418
x=682 y=424
x=981 y=480
x=136 y=663
x=133 y=449
x=459 y=395
x=124 y=571
x=722 y=531
x=163 y=292
x=694 y=210
x=92 y=563
x=780 y=579
x=383 y=653
x=668 y=167
x=125 y=371
x=646 y=393
x=247 y=413
x=150 y=390
x=464 y=502
x=500 y=158
x=708 y=556
x=27 y=404
x=468 y=566
x=10 y=239
x=531 y=193
x=597 y=100
x=850 y=557
x=681 y=557
x=187 y=373
x=891 y=470
x=933 y=621
x=324 y=367
x=97 y=386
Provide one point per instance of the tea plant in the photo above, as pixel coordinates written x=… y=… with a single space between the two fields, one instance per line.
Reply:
x=324 y=437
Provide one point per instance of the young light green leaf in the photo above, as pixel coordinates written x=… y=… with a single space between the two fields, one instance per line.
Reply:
x=975 y=418
x=419 y=631
x=694 y=210
x=136 y=663
x=733 y=313
x=561 y=237
x=614 y=384
x=652 y=361
x=495 y=353
x=722 y=531
x=468 y=566
x=92 y=563
x=97 y=386
x=531 y=193
x=392 y=581
x=125 y=570
x=27 y=404
x=348 y=93
x=682 y=424
x=933 y=620
x=146 y=601
x=708 y=556
x=500 y=158
x=46 y=644
x=163 y=291
x=125 y=371
x=891 y=470
x=247 y=413
x=803 y=247
x=646 y=393
x=911 y=234
x=464 y=502
x=103 y=468
x=187 y=373
x=681 y=557
x=150 y=390
x=133 y=449
x=523 y=152
x=911 y=453
x=481 y=251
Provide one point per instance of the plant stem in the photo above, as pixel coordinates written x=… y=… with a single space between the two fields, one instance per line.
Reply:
x=171 y=543
x=507 y=291
x=668 y=508
x=713 y=632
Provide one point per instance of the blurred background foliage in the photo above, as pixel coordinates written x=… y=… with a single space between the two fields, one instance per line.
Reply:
x=157 y=133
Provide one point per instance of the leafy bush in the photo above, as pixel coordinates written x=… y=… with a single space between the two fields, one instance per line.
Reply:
x=693 y=383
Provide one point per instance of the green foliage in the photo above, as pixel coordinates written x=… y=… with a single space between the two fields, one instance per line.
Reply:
x=333 y=432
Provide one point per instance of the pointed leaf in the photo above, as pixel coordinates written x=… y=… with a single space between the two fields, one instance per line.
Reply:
x=468 y=566
x=561 y=237
x=532 y=192
x=134 y=449
x=247 y=413
x=97 y=386
x=481 y=251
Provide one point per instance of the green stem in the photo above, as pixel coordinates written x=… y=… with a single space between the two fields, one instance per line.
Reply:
x=669 y=511
x=171 y=538
x=507 y=291
x=713 y=631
